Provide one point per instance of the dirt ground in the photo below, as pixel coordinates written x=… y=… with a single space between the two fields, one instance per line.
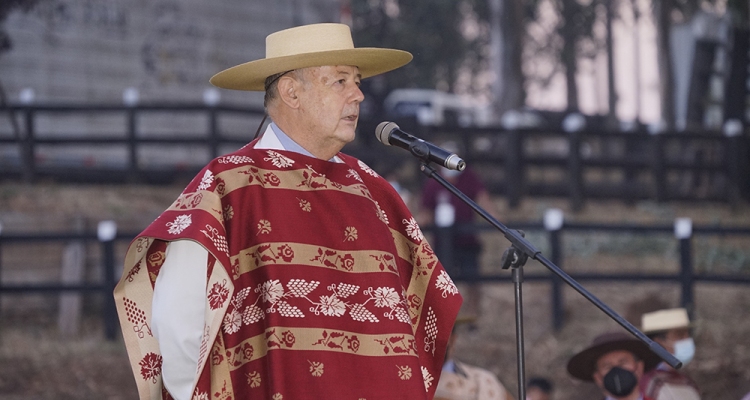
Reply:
x=36 y=362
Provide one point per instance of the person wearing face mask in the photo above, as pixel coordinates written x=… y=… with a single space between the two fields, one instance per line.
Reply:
x=616 y=362
x=671 y=329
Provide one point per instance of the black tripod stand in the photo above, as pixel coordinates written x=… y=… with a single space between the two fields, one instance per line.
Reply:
x=514 y=259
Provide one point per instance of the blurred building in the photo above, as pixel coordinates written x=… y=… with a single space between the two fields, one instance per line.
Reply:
x=112 y=52
x=710 y=59
x=92 y=50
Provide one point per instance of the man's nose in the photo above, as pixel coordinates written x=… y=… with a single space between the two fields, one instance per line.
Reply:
x=358 y=96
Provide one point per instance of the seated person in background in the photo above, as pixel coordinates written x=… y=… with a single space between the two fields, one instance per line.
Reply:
x=539 y=388
x=442 y=208
x=460 y=381
x=671 y=329
x=616 y=362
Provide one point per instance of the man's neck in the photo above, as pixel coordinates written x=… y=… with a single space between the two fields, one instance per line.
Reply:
x=315 y=147
x=275 y=138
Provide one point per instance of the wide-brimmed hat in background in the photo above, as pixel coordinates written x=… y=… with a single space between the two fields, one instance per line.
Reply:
x=310 y=46
x=583 y=364
x=663 y=320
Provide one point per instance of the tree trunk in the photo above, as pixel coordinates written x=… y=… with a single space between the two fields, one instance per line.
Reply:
x=507 y=24
x=662 y=11
x=611 y=90
x=568 y=56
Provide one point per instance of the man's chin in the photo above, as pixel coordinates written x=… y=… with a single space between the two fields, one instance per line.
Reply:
x=347 y=135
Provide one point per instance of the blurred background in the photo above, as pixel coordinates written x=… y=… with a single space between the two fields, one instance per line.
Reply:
x=616 y=134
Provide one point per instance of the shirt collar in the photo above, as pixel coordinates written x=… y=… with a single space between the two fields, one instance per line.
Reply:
x=275 y=139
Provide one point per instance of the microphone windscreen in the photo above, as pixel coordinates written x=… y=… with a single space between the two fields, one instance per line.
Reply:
x=383 y=131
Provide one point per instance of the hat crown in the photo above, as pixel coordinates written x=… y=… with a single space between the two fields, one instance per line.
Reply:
x=309 y=39
x=663 y=320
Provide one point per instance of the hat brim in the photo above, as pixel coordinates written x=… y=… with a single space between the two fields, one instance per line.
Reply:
x=252 y=75
x=583 y=364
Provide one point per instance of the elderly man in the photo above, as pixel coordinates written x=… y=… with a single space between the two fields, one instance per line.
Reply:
x=671 y=329
x=616 y=362
x=288 y=270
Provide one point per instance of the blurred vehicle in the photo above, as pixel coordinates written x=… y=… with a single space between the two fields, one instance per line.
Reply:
x=436 y=108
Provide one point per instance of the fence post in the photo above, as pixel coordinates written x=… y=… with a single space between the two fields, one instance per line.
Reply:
x=733 y=142
x=106 y=233
x=1 y=266
x=130 y=98
x=683 y=231
x=573 y=124
x=211 y=98
x=29 y=158
x=553 y=223
x=444 y=220
x=514 y=168
x=657 y=165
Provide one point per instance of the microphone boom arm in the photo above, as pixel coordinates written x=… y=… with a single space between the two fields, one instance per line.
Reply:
x=522 y=245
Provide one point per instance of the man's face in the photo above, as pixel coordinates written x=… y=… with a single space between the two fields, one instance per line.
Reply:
x=671 y=337
x=330 y=103
x=617 y=358
x=534 y=393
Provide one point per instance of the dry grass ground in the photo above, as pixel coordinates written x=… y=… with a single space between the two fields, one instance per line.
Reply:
x=37 y=363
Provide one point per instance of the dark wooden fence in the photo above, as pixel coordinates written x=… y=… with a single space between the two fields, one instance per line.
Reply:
x=577 y=165
x=687 y=277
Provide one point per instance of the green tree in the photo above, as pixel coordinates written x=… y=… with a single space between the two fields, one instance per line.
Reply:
x=434 y=31
x=570 y=37
x=6 y=7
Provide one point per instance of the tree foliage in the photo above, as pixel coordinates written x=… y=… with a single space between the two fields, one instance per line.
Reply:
x=434 y=31
x=569 y=36
x=6 y=7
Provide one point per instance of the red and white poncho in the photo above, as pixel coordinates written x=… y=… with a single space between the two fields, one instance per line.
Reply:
x=320 y=284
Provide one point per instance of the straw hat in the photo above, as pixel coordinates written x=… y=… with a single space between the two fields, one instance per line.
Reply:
x=309 y=46
x=663 y=320
x=583 y=364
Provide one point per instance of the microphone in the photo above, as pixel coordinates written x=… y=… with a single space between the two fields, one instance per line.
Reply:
x=390 y=134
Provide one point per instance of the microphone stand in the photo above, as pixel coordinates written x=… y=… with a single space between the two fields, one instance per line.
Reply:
x=515 y=257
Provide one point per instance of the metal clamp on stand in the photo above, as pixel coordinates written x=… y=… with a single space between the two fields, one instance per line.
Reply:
x=515 y=259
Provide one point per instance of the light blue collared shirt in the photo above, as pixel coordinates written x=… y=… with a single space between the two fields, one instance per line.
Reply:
x=289 y=144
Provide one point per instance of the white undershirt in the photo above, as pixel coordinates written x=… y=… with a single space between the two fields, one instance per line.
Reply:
x=179 y=303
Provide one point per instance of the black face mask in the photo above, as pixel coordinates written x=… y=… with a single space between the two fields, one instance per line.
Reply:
x=620 y=382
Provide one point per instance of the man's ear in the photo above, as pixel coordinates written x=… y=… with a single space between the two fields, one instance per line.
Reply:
x=288 y=88
x=598 y=378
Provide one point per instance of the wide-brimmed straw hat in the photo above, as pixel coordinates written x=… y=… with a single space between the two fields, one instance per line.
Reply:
x=663 y=320
x=583 y=364
x=310 y=46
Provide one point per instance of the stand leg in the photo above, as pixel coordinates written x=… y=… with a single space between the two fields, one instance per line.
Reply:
x=517 y=277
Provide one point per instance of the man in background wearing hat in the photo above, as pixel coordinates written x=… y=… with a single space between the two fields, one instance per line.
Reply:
x=671 y=329
x=616 y=362
x=288 y=270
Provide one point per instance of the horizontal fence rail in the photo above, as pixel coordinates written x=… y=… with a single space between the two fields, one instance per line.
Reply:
x=578 y=165
x=107 y=236
x=686 y=277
